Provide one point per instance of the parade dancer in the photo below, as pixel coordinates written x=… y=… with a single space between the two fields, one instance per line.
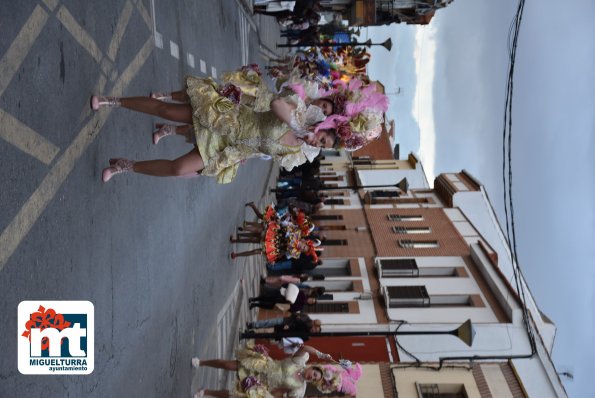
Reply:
x=225 y=133
x=260 y=376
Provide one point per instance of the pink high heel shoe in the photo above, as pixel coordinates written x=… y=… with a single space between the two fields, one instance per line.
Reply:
x=163 y=131
x=117 y=166
x=98 y=101
x=161 y=96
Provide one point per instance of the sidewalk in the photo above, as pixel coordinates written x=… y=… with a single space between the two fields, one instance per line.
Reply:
x=235 y=312
x=267 y=30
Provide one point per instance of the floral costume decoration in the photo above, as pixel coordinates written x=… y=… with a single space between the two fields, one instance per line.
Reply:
x=358 y=113
x=259 y=375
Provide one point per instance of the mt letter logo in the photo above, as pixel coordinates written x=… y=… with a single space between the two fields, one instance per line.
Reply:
x=56 y=337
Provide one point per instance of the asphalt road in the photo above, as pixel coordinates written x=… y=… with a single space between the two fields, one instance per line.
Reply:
x=151 y=254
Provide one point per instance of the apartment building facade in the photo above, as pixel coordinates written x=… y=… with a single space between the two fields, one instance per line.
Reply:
x=414 y=258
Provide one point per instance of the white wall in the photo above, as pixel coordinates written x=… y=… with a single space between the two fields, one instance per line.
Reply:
x=454 y=285
x=415 y=177
x=367 y=313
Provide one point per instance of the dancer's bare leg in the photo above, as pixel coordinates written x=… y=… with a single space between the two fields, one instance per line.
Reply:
x=249 y=234
x=246 y=253
x=221 y=364
x=177 y=96
x=184 y=165
x=244 y=240
x=256 y=211
x=255 y=229
x=180 y=96
x=181 y=113
x=164 y=130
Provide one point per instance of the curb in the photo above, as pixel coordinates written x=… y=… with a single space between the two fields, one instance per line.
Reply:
x=248 y=9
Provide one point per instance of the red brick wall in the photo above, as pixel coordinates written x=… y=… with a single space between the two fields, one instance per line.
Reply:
x=377 y=149
x=482 y=384
x=359 y=244
x=512 y=381
x=451 y=243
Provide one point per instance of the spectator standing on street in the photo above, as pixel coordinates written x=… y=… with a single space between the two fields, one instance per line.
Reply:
x=299 y=323
x=271 y=297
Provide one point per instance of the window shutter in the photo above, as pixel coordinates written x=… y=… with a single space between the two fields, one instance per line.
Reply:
x=327 y=308
x=393 y=268
x=326 y=217
x=408 y=296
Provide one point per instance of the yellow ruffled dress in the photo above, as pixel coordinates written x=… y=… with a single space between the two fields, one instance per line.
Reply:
x=255 y=92
x=227 y=133
x=271 y=374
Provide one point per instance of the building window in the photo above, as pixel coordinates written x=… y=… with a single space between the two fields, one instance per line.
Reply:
x=455 y=300
x=334 y=202
x=396 y=268
x=405 y=217
x=411 y=200
x=326 y=217
x=384 y=194
x=329 y=152
x=335 y=242
x=332 y=228
x=333 y=268
x=361 y=160
x=407 y=296
x=408 y=268
x=331 y=178
x=326 y=308
x=334 y=192
x=411 y=230
x=417 y=296
x=442 y=390
x=418 y=244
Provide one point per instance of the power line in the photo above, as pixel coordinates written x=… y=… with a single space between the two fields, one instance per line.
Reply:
x=507 y=176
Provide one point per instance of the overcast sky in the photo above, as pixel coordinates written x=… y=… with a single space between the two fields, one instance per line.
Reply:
x=450 y=109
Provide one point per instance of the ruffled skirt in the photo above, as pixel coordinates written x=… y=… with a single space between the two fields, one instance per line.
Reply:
x=216 y=123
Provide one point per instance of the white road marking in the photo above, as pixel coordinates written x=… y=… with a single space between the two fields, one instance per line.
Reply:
x=120 y=29
x=158 y=40
x=97 y=88
x=144 y=13
x=106 y=66
x=174 y=50
x=203 y=66
x=132 y=69
x=19 y=227
x=27 y=140
x=51 y=4
x=18 y=50
x=158 y=36
x=248 y=16
x=244 y=35
x=79 y=34
x=190 y=60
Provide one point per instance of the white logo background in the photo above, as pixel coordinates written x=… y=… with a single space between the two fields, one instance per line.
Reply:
x=26 y=308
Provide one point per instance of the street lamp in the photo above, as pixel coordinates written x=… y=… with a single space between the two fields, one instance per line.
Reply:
x=465 y=332
x=388 y=44
x=403 y=185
